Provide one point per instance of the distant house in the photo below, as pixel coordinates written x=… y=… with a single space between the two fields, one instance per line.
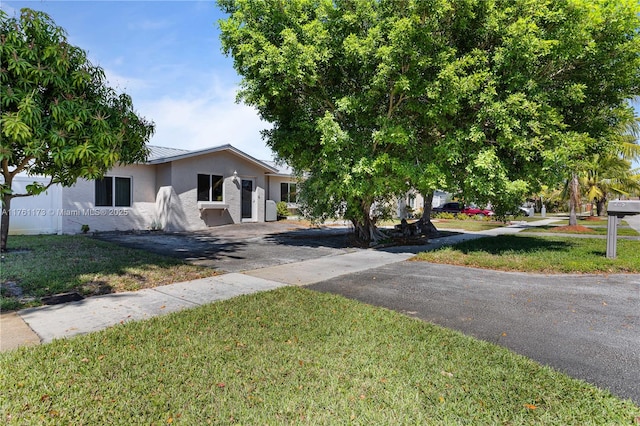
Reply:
x=175 y=190
x=410 y=206
x=283 y=186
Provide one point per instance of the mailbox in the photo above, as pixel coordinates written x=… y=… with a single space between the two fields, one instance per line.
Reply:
x=618 y=209
x=622 y=208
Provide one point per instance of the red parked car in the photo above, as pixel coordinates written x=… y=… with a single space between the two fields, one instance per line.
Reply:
x=459 y=208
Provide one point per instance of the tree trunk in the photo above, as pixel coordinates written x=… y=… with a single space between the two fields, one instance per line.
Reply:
x=4 y=227
x=366 y=230
x=574 y=199
x=600 y=205
x=426 y=226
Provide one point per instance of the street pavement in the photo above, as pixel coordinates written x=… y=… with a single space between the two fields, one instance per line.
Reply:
x=633 y=221
x=584 y=325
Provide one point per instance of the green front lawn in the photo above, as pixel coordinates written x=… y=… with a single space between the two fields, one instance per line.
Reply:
x=50 y=264
x=290 y=356
x=540 y=254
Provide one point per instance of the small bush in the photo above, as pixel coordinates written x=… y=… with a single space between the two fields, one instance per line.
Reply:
x=444 y=215
x=282 y=209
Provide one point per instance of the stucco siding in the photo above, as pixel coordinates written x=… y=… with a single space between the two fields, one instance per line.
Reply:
x=184 y=182
x=79 y=207
x=163 y=196
x=275 y=191
x=163 y=175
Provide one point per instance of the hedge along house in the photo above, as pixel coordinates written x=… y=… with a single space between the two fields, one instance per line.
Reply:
x=175 y=190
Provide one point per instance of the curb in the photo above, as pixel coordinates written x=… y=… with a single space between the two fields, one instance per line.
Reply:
x=14 y=332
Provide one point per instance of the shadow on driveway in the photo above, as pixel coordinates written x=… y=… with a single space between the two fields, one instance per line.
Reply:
x=241 y=247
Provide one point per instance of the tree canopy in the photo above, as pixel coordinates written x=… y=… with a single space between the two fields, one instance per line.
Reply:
x=58 y=117
x=487 y=98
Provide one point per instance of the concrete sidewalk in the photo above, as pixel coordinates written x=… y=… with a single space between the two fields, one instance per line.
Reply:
x=45 y=323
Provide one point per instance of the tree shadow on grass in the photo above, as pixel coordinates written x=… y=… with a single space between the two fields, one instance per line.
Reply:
x=55 y=265
x=503 y=244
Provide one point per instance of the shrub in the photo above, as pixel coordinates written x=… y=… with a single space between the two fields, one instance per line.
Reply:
x=282 y=210
x=444 y=215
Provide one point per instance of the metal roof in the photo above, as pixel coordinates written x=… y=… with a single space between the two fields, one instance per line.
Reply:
x=165 y=155
x=283 y=169
x=157 y=152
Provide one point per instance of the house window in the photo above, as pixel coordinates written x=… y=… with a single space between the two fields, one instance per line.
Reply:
x=210 y=187
x=113 y=191
x=411 y=201
x=288 y=192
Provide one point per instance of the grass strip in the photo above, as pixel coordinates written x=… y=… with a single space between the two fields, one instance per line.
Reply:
x=539 y=254
x=48 y=264
x=467 y=225
x=595 y=230
x=291 y=356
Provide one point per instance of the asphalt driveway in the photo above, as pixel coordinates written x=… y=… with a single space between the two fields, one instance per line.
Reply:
x=587 y=326
x=241 y=247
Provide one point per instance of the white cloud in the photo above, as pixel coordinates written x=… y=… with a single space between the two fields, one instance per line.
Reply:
x=124 y=83
x=210 y=120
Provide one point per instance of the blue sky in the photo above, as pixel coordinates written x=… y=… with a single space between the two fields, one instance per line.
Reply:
x=167 y=56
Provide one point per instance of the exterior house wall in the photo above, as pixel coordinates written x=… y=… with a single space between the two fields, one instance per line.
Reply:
x=185 y=207
x=163 y=175
x=415 y=201
x=78 y=203
x=275 y=191
x=163 y=196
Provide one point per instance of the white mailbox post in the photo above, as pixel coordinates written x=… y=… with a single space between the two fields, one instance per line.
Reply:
x=617 y=210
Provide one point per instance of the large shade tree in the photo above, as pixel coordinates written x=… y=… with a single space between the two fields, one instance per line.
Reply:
x=58 y=117
x=489 y=98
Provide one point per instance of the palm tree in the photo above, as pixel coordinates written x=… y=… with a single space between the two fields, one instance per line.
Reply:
x=573 y=191
x=605 y=176
x=596 y=174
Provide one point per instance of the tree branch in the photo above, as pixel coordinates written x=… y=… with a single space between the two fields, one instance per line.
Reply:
x=51 y=182
x=391 y=106
x=19 y=167
x=5 y=168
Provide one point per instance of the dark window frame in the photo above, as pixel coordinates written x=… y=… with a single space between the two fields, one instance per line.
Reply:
x=113 y=191
x=210 y=188
x=287 y=194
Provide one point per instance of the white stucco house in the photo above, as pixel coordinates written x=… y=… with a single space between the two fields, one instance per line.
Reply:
x=175 y=190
